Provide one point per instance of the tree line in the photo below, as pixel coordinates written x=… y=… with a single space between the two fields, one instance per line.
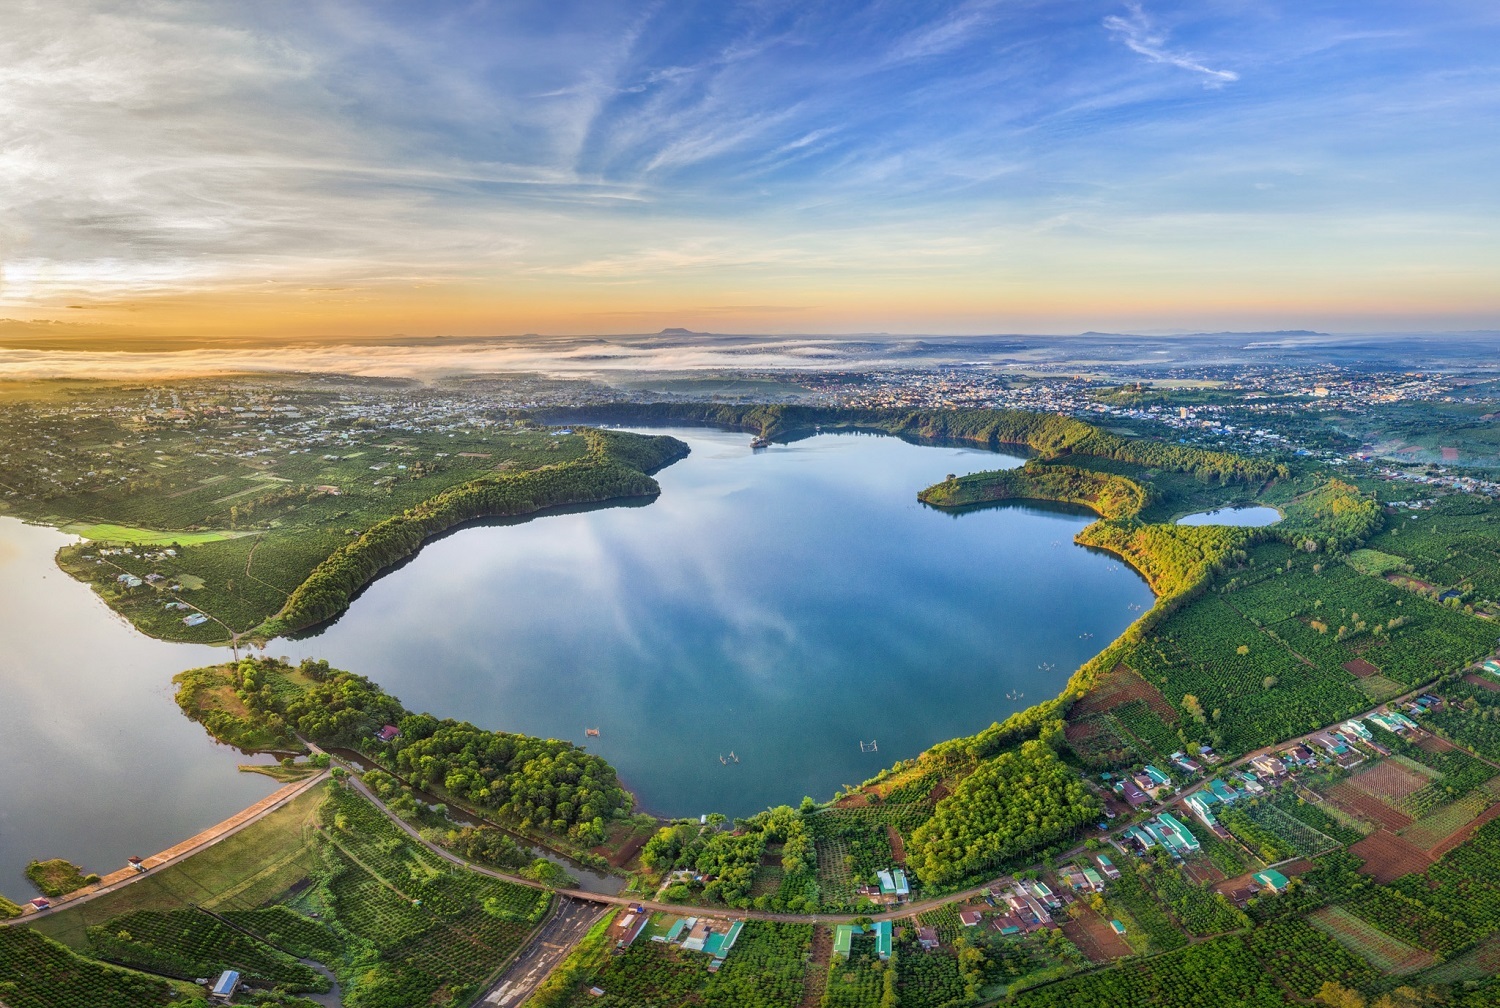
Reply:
x=616 y=465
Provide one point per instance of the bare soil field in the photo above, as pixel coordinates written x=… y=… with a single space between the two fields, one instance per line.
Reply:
x=1387 y=856
x=1485 y=682
x=1095 y=938
x=1361 y=668
x=1361 y=805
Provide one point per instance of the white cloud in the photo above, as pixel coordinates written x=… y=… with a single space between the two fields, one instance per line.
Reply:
x=1140 y=35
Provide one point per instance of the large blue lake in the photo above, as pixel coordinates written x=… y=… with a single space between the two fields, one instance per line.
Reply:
x=784 y=605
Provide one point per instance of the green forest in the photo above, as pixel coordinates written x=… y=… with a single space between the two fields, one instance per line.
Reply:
x=530 y=784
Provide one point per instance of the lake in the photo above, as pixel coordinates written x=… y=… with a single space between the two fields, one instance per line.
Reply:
x=1244 y=516
x=784 y=605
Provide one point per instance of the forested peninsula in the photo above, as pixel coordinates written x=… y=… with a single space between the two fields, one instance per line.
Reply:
x=616 y=465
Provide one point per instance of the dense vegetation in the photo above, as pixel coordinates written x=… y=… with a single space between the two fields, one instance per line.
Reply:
x=531 y=783
x=1048 y=434
x=1111 y=496
x=58 y=877
x=193 y=943
x=616 y=465
x=1012 y=804
x=37 y=972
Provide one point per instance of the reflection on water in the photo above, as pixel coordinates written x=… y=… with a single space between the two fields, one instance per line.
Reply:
x=99 y=762
x=784 y=605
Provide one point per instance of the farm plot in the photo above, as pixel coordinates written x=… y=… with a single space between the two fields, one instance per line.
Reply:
x=1387 y=856
x=1094 y=937
x=1097 y=741
x=191 y=943
x=1275 y=834
x=37 y=972
x=1121 y=686
x=1478 y=963
x=1370 y=943
x=1391 y=780
x=1445 y=820
x=1360 y=668
x=1362 y=805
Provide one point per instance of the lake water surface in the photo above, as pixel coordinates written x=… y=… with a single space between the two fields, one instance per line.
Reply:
x=783 y=605
x=1244 y=516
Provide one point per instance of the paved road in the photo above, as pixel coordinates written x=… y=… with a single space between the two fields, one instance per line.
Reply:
x=565 y=927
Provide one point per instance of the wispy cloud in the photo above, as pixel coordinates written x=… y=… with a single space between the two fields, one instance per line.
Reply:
x=1141 y=35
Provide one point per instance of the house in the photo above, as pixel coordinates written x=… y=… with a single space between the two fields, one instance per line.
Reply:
x=224 y=987
x=1174 y=836
x=1354 y=726
x=137 y=864
x=903 y=888
x=1271 y=879
x=1181 y=760
x=628 y=927
x=1133 y=795
x=41 y=903
x=1160 y=779
x=1207 y=754
x=196 y=619
x=1093 y=878
x=1388 y=722
x=1107 y=866
x=928 y=938
x=1199 y=804
x=1119 y=928
x=1300 y=754
x=1250 y=783
x=388 y=733
x=970 y=918
x=1269 y=765
x=1223 y=792
x=843 y=938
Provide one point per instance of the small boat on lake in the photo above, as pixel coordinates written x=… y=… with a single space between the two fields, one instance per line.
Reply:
x=591 y=732
x=761 y=442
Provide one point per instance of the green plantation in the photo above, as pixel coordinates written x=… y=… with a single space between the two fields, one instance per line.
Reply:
x=396 y=923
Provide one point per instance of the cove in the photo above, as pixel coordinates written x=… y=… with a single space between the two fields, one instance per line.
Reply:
x=781 y=605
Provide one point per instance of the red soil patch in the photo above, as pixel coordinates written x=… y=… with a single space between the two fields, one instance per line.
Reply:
x=622 y=855
x=939 y=792
x=1095 y=938
x=1387 y=857
x=1464 y=832
x=1485 y=682
x=1122 y=685
x=898 y=847
x=1361 y=668
x=856 y=799
x=1433 y=744
x=816 y=975
x=1388 y=780
x=1449 y=454
x=1362 y=806
x=1202 y=871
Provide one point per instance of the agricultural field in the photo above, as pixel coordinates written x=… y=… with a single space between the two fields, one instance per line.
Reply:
x=37 y=972
x=853 y=844
x=1275 y=834
x=235 y=490
x=1368 y=942
x=191 y=943
x=329 y=877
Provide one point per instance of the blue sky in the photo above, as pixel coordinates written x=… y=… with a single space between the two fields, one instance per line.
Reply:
x=764 y=166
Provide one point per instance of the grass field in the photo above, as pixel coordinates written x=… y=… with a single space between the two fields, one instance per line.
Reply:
x=102 y=532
